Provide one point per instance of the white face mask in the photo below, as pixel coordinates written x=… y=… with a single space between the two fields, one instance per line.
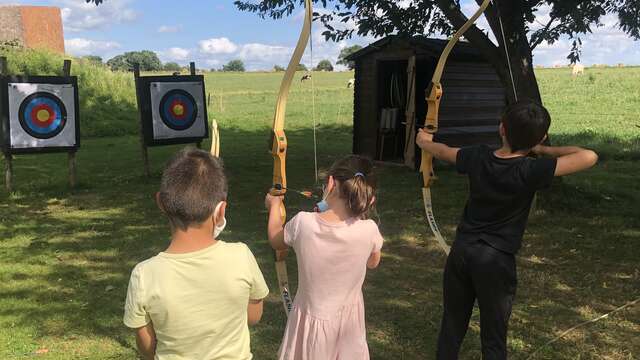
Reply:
x=219 y=227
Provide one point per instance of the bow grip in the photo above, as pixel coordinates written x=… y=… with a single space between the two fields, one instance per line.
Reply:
x=433 y=107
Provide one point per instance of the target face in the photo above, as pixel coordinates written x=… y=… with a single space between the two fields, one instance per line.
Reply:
x=178 y=109
x=42 y=115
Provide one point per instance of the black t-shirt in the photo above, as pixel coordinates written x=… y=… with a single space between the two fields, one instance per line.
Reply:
x=500 y=195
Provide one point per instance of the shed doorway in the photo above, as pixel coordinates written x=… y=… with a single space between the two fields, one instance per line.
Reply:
x=392 y=105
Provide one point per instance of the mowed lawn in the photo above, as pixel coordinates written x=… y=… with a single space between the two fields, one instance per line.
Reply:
x=66 y=255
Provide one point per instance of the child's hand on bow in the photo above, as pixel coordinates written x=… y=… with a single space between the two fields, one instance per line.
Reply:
x=270 y=201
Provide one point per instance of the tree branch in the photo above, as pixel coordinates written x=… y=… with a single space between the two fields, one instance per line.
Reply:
x=478 y=38
x=539 y=35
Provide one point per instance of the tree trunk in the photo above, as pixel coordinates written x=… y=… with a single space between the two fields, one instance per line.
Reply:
x=518 y=47
x=517 y=44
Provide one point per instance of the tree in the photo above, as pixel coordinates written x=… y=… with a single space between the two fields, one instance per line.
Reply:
x=278 y=68
x=93 y=59
x=147 y=59
x=172 y=66
x=302 y=67
x=324 y=65
x=522 y=30
x=234 y=65
x=344 y=53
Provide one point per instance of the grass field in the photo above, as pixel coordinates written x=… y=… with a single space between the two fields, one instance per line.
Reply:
x=65 y=256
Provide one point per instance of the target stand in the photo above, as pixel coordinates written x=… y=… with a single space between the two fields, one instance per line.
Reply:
x=38 y=114
x=172 y=110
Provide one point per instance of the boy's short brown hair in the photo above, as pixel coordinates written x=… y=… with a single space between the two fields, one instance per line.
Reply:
x=193 y=183
x=526 y=123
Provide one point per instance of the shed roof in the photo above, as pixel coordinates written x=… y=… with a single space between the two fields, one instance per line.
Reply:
x=429 y=46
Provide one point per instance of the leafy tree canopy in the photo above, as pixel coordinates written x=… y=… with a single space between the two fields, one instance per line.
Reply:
x=172 y=66
x=324 y=65
x=234 y=65
x=147 y=59
x=278 y=68
x=344 y=18
x=344 y=53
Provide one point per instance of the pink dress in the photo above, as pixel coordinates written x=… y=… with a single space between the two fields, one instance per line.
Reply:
x=327 y=319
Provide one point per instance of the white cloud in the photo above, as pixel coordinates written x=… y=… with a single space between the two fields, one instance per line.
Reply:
x=217 y=46
x=175 y=54
x=170 y=28
x=79 y=15
x=264 y=52
x=81 y=47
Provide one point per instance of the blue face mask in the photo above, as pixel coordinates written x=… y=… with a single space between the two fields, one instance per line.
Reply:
x=323 y=205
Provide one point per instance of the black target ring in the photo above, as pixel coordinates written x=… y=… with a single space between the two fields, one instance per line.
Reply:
x=42 y=115
x=178 y=109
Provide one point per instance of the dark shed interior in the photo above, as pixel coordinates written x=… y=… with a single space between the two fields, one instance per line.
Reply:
x=391 y=78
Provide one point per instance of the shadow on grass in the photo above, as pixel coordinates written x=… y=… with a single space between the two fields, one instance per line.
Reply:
x=65 y=256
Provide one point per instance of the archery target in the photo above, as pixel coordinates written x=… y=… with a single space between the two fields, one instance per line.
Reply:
x=177 y=110
x=41 y=115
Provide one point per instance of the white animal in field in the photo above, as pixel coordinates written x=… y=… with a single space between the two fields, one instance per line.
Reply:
x=578 y=69
x=351 y=83
x=305 y=78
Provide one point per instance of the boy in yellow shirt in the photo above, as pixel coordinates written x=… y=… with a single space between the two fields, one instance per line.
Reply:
x=196 y=299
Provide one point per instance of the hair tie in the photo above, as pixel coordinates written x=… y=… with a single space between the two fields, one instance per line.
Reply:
x=358 y=174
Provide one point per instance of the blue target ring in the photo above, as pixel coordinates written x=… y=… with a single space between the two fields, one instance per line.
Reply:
x=178 y=109
x=42 y=115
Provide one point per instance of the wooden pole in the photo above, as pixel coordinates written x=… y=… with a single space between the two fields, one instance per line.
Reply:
x=143 y=146
x=192 y=71
x=71 y=155
x=8 y=159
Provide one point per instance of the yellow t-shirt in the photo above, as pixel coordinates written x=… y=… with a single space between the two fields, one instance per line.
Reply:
x=197 y=301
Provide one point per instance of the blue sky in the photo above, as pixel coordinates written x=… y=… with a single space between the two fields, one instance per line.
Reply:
x=212 y=32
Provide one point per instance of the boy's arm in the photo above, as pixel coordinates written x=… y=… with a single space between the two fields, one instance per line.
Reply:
x=571 y=159
x=275 y=227
x=254 y=311
x=440 y=151
x=146 y=341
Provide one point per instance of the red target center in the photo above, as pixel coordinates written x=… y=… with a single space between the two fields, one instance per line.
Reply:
x=42 y=115
x=178 y=109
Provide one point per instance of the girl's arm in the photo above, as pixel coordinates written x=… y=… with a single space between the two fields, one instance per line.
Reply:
x=571 y=159
x=146 y=341
x=275 y=227
x=440 y=151
x=374 y=260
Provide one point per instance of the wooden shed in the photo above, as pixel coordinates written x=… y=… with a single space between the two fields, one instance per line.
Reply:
x=391 y=78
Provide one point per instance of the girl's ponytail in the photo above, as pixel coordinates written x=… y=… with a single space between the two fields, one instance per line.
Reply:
x=356 y=183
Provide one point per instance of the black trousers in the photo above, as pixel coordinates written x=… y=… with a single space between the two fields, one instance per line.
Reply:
x=475 y=270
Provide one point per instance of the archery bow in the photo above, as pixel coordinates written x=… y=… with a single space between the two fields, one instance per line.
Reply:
x=279 y=149
x=215 y=138
x=431 y=124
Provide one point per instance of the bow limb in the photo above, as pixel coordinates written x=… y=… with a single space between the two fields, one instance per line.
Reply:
x=215 y=138
x=279 y=149
x=433 y=99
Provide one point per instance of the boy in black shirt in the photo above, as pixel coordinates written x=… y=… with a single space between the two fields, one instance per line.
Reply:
x=502 y=185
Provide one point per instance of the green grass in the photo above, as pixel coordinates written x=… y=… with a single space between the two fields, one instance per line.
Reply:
x=65 y=255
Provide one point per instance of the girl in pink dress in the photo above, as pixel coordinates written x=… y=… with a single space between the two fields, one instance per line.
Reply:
x=334 y=248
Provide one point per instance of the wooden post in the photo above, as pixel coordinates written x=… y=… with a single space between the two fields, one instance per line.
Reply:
x=143 y=146
x=71 y=155
x=192 y=71
x=8 y=159
x=8 y=172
